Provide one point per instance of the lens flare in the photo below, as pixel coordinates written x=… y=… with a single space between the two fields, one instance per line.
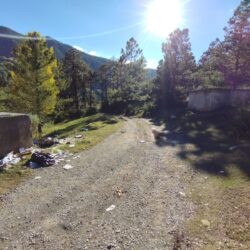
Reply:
x=164 y=16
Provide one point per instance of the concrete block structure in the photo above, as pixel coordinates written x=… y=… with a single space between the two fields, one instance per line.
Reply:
x=212 y=99
x=15 y=132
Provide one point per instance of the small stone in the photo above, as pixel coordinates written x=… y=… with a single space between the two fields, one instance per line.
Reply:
x=205 y=223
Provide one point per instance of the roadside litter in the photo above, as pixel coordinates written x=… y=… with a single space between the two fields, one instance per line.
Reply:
x=38 y=177
x=78 y=136
x=110 y=208
x=25 y=151
x=40 y=159
x=118 y=192
x=182 y=194
x=9 y=159
x=47 y=142
x=67 y=167
x=239 y=146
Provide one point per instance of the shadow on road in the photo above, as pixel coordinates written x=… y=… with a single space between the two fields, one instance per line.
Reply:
x=205 y=139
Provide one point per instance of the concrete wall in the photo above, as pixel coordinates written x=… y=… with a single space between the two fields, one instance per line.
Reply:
x=211 y=99
x=15 y=132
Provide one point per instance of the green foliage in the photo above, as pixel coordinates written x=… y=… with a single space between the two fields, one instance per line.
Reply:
x=34 y=125
x=227 y=62
x=78 y=76
x=5 y=67
x=33 y=87
x=175 y=71
x=237 y=46
x=209 y=72
x=123 y=85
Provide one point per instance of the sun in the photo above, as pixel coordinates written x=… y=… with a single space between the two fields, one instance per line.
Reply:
x=164 y=16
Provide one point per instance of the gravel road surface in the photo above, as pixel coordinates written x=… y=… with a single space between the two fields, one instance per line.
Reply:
x=67 y=209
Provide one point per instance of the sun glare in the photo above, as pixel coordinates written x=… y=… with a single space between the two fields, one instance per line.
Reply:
x=164 y=16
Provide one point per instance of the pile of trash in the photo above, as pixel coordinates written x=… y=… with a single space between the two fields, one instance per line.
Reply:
x=12 y=159
x=45 y=152
x=9 y=160
x=40 y=159
x=48 y=142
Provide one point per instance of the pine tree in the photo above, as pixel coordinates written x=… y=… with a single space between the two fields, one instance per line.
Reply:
x=131 y=70
x=237 y=47
x=78 y=75
x=210 y=67
x=178 y=64
x=33 y=87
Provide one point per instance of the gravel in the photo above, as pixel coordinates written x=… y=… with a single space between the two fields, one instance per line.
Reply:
x=68 y=209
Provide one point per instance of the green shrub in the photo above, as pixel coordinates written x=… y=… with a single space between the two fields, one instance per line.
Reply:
x=34 y=125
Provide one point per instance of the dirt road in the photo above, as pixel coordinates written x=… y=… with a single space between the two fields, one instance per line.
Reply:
x=66 y=209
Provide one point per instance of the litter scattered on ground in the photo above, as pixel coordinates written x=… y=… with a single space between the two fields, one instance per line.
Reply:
x=72 y=145
x=142 y=141
x=40 y=159
x=85 y=129
x=174 y=142
x=67 y=167
x=78 y=136
x=118 y=193
x=33 y=165
x=239 y=146
x=182 y=194
x=222 y=172
x=9 y=159
x=25 y=151
x=110 y=208
x=47 y=142
x=38 y=177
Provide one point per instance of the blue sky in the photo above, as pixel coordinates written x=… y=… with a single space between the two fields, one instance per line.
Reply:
x=102 y=27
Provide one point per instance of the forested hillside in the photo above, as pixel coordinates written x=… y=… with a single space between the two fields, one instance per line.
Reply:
x=10 y=41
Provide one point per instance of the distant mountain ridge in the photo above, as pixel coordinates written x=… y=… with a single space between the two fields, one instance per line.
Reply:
x=8 y=42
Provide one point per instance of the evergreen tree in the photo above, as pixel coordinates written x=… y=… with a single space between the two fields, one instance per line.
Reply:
x=178 y=65
x=210 y=67
x=5 y=67
x=104 y=77
x=237 y=47
x=78 y=75
x=33 y=87
x=128 y=76
x=64 y=102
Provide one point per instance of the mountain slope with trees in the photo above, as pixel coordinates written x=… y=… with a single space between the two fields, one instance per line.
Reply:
x=8 y=43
